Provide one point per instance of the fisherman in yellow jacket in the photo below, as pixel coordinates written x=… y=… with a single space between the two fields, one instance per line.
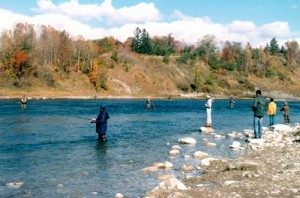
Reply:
x=272 y=111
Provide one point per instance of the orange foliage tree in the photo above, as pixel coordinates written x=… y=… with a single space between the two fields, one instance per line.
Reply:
x=98 y=75
x=19 y=62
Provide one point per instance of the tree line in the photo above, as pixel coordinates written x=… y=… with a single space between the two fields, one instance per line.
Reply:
x=42 y=51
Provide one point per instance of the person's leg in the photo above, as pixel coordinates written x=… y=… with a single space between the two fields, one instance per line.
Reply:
x=270 y=119
x=288 y=119
x=208 y=121
x=285 y=119
x=254 y=127
x=260 y=122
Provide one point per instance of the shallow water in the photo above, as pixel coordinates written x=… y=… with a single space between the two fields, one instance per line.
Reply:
x=52 y=146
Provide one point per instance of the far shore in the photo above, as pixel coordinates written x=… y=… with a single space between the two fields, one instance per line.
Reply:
x=8 y=94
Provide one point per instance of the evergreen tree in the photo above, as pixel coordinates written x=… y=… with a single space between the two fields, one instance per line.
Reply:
x=274 y=47
x=141 y=43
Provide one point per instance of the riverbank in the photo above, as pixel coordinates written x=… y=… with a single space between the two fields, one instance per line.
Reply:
x=271 y=170
x=82 y=94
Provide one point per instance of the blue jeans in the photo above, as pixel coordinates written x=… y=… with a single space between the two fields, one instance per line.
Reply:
x=258 y=128
x=272 y=119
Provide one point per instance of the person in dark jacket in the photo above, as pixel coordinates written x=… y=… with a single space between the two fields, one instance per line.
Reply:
x=231 y=102
x=23 y=102
x=101 y=124
x=286 y=112
x=258 y=108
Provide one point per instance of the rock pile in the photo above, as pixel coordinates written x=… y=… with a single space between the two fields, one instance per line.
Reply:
x=271 y=170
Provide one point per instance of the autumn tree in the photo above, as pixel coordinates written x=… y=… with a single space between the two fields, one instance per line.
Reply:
x=292 y=51
x=206 y=47
x=63 y=60
x=6 y=54
x=248 y=58
x=98 y=75
x=107 y=44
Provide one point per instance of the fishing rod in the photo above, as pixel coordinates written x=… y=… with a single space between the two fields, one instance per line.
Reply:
x=153 y=104
x=79 y=117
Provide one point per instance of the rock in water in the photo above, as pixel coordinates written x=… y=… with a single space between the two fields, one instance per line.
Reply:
x=206 y=130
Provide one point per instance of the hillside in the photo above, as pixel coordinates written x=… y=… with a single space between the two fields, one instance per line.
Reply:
x=139 y=76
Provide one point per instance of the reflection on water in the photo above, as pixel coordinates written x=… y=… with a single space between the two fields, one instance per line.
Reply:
x=52 y=146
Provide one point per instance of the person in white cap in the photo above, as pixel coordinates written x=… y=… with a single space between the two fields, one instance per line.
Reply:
x=208 y=106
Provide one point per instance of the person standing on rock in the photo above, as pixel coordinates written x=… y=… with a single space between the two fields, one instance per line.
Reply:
x=208 y=106
x=272 y=111
x=258 y=108
x=286 y=112
x=101 y=124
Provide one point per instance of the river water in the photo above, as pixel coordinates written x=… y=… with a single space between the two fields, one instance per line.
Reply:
x=51 y=146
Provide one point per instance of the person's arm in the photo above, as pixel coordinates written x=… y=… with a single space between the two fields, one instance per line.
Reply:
x=254 y=106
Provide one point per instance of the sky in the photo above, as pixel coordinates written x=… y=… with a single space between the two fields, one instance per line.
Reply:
x=253 y=21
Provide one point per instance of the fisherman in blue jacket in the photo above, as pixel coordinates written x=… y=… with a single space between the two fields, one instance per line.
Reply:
x=101 y=124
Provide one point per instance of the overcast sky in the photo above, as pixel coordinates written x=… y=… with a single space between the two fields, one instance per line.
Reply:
x=253 y=21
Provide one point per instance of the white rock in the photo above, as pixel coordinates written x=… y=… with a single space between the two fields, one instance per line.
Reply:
x=235 y=145
x=119 y=195
x=151 y=169
x=174 y=152
x=218 y=136
x=206 y=130
x=165 y=176
x=15 y=184
x=211 y=144
x=200 y=154
x=187 y=167
x=171 y=184
x=163 y=165
x=229 y=182
x=187 y=140
x=176 y=147
x=231 y=135
x=280 y=127
x=206 y=161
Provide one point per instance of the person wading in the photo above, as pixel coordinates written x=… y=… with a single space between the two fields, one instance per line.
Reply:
x=101 y=124
x=23 y=102
x=286 y=112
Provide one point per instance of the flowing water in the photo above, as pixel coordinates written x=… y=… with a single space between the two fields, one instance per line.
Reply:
x=51 y=146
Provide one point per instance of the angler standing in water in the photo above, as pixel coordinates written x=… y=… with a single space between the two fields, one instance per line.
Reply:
x=101 y=124
x=231 y=102
x=148 y=103
x=23 y=102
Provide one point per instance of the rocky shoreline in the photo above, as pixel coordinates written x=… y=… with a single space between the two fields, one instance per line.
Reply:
x=272 y=169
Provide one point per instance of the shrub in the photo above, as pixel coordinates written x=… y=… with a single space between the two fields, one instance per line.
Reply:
x=209 y=81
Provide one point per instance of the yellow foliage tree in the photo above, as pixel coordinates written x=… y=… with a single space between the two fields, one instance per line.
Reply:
x=98 y=76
